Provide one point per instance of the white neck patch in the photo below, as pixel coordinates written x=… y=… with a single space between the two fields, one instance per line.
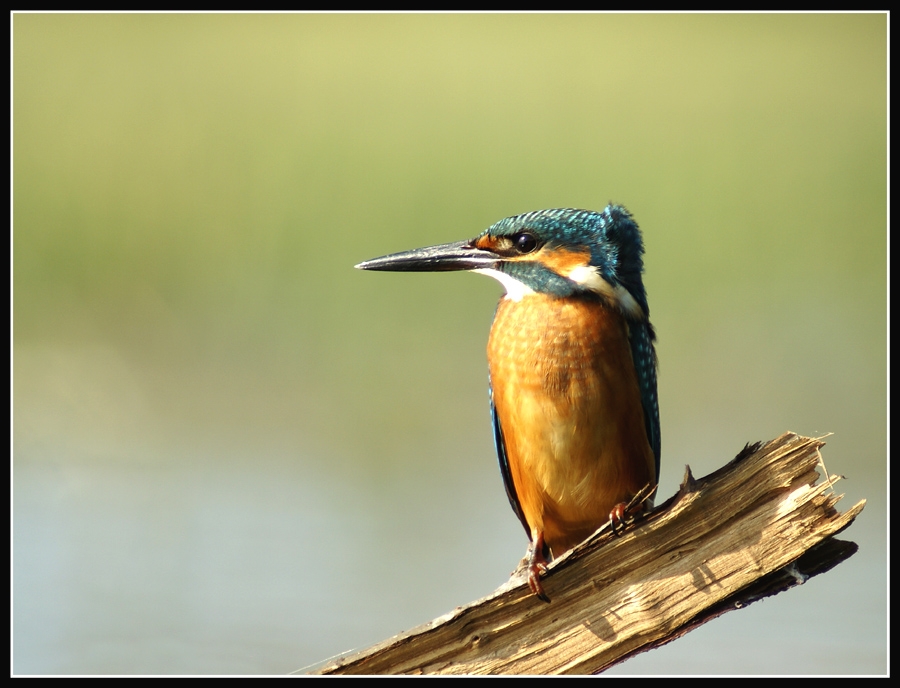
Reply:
x=515 y=289
x=588 y=276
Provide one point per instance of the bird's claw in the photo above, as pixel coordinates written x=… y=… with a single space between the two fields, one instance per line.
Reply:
x=622 y=511
x=534 y=580
x=617 y=518
x=535 y=565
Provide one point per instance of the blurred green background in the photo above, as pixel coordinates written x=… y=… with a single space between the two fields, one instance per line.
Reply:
x=233 y=453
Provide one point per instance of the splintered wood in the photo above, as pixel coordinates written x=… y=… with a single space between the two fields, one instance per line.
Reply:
x=756 y=527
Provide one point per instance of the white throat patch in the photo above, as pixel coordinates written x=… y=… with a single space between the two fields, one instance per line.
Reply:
x=515 y=289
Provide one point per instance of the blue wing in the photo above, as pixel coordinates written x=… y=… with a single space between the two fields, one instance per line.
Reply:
x=641 y=337
x=500 y=445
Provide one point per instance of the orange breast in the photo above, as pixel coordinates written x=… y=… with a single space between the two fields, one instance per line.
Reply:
x=567 y=398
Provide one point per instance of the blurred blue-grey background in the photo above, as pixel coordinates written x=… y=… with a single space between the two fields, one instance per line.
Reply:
x=234 y=453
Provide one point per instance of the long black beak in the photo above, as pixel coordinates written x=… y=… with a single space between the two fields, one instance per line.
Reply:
x=460 y=255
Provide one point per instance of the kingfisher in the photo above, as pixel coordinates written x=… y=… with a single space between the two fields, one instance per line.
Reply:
x=572 y=369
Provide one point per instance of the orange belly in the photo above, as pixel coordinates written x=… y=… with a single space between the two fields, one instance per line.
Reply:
x=567 y=398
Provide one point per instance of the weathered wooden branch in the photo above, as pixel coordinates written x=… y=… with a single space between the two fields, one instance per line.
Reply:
x=754 y=528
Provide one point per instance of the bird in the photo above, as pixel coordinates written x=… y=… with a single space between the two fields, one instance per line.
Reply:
x=572 y=369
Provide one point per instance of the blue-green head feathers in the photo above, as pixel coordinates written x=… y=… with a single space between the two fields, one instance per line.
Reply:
x=611 y=236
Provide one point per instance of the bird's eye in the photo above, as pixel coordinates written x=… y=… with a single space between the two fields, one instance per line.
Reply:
x=524 y=242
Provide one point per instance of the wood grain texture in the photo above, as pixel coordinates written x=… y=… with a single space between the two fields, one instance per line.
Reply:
x=754 y=528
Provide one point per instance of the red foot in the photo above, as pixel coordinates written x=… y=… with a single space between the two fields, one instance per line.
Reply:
x=536 y=564
x=622 y=511
x=617 y=517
